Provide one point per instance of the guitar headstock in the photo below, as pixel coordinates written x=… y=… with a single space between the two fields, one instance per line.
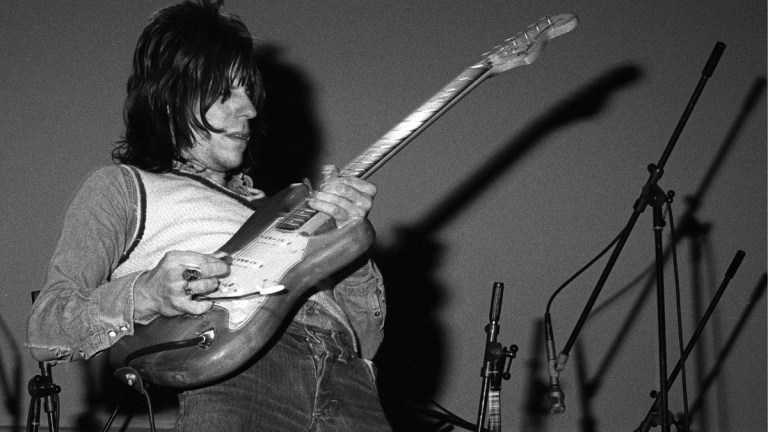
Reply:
x=524 y=47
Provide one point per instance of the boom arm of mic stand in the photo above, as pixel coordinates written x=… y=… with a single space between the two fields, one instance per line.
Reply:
x=656 y=171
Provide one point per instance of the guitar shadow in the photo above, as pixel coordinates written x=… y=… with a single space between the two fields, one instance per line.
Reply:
x=410 y=359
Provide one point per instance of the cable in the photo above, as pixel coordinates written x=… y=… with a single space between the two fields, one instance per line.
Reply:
x=149 y=411
x=583 y=269
x=166 y=346
x=679 y=313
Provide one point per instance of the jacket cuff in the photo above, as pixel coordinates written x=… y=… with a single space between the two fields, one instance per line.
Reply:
x=115 y=306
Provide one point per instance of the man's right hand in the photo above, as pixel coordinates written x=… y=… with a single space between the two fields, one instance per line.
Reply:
x=163 y=290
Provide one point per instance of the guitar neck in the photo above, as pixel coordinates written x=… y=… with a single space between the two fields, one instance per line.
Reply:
x=522 y=49
x=398 y=137
x=516 y=51
x=367 y=162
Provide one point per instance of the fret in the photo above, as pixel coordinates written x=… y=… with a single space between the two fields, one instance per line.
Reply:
x=297 y=218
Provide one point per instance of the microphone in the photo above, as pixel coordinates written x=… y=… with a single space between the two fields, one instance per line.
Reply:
x=556 y=397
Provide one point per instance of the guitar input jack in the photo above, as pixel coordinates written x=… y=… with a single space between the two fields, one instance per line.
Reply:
x=206 y=339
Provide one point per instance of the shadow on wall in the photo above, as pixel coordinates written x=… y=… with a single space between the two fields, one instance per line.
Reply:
x=11 y=366
x=696 y=233
x=409 y=361
x=287 y=148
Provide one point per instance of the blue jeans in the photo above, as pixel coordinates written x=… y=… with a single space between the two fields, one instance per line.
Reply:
x=310 y=380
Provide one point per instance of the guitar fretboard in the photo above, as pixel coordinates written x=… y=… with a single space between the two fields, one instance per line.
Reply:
x=398 y=137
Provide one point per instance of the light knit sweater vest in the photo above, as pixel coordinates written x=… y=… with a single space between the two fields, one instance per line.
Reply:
x=177 y=212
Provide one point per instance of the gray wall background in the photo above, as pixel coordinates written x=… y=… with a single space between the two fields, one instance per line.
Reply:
x=522 y=182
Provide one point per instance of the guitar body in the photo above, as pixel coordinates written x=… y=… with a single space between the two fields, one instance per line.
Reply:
x=263 y=257
x=286 y=248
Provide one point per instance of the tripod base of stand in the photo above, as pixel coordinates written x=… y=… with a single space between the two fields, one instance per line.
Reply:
x=43 y=391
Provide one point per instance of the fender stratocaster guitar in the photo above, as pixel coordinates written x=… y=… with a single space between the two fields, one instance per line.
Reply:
x=286 y=248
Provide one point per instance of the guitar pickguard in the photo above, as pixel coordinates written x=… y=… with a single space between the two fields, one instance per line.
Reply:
x=259 y=266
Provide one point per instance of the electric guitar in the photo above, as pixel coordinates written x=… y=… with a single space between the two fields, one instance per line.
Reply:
x=286 y=248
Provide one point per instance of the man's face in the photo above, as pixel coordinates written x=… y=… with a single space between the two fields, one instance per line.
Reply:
x=223 y=152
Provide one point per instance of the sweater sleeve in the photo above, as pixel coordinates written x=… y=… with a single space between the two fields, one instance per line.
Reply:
x=80 y=310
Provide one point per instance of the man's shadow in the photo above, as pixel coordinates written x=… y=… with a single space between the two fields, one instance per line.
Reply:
x=288 y=138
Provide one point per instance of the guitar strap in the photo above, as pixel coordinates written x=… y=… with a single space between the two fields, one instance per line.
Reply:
x=134 y=183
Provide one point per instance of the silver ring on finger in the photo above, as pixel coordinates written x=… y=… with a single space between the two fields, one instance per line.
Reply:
x=192 y=272
x=187 y=289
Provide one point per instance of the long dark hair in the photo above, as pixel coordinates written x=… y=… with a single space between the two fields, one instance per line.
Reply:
x=186 y=58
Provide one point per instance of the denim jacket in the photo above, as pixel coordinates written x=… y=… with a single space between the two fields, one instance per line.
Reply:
x=82 y=310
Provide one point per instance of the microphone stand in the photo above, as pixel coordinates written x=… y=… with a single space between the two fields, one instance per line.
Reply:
x=651 y=194
x=43 y=390
x=493 y=365
x=655 y=416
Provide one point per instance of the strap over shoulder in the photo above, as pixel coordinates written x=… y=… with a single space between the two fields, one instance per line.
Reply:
x=134 y=182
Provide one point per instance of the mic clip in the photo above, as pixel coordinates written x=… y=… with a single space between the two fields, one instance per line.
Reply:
x=496 y=360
